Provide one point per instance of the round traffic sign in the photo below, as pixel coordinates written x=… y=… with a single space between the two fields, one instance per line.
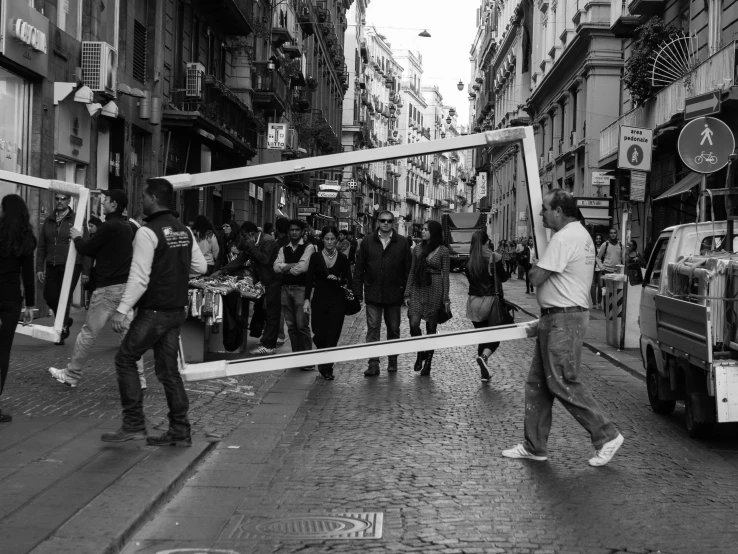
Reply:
x=705 y=144
x=635 y=155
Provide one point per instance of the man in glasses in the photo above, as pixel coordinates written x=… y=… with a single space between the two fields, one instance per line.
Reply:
x=51 y=257
x=380 y=274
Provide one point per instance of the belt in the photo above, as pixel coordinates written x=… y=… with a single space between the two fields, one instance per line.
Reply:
x=567 y=310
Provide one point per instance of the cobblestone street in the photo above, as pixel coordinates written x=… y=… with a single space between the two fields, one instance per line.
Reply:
x=426 y=453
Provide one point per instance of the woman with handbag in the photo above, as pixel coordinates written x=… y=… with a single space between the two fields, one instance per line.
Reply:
x=426 y=293
x=486 y=273
x=328 y=273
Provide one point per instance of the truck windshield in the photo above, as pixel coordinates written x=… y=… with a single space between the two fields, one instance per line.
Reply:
x=463 y=237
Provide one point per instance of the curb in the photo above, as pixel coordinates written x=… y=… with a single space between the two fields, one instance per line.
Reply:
x=89 y=531
x=613 y=360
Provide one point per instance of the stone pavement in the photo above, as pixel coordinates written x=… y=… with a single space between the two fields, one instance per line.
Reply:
x=57 y=477
x=424 y=452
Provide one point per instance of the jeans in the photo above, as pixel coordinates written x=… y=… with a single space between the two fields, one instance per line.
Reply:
x=374 y=325
x=272 y=313
x=554 y=374
x=298 y=324
x=160 y=331
x=103 y=304
x=9 y=315
x=53 y=278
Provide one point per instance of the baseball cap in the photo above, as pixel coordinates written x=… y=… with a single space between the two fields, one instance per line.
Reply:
x=118 y=196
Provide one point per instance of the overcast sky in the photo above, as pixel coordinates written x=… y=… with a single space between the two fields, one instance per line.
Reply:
x=446 y=54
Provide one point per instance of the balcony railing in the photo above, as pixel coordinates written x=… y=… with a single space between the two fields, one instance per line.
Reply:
x=233 y=17
x=413 y=197
x=270 y=88
x=622 y=22
x=669 y=101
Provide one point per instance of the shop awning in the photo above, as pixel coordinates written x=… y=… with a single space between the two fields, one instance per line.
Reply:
x=682 y=186
x=596 y=216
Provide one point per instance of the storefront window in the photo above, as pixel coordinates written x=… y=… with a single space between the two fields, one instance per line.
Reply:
x=14 y=113
x=69 y=17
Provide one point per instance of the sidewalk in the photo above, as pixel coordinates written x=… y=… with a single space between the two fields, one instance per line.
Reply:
x=628 y=359
x=60 y=484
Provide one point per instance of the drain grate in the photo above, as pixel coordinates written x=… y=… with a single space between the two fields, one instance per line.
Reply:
x=358 y=525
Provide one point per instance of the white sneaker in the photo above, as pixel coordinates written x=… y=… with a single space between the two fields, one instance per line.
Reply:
x=61 y=376
x=519 y=451
x=605 y=454
x=262 y=350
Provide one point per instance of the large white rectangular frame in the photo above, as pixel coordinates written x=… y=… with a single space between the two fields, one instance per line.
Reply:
x=242 y=175
x=44 y=332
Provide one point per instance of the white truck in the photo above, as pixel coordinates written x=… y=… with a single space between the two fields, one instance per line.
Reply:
x=688 y=327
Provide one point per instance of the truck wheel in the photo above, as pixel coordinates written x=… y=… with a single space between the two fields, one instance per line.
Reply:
x=652 y=387
x=696 y=430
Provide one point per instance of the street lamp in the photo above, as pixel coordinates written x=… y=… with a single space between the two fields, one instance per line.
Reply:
x=424 y=34
x=460 y=85
x=443 y=134
x=452 y=112
x=448 y=120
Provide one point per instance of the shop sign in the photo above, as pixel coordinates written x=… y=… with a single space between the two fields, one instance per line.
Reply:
x=522 y=216
x=24 y=36
x=343 y=225
x=330 y=185
x=481 y=185
x=600 y=179
x=593 y=203
x=72 y=130
x=276 y=136
x=307 y=210
x=260 y=193
x=327 y=194
x=252 y=190
x=637 y=186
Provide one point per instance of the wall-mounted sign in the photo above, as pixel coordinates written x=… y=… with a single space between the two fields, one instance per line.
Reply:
x=593 y=202
x=276 y=136
x=637 y=186
x=24 y=36
x=600 y=178
x=72 y=130
x=307 y=210
x=327 y=194
x=330 y=184
x=635 y=148
x=481 y=186
x=252 y=190
x=260 y=193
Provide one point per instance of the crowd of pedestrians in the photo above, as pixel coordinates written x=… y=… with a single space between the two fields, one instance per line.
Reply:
x=141 y=274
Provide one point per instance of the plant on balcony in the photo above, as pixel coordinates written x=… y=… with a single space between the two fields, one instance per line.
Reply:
x=291 y=69
x=312 y=84
x=637 y=76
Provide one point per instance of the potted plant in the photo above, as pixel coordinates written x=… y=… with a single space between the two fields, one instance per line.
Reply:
x=312 y=84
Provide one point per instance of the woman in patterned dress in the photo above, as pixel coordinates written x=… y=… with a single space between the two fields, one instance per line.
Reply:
x=427 y=287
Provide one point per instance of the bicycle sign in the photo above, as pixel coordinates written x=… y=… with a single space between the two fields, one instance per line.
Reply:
x=705 y=158
x=705 y=144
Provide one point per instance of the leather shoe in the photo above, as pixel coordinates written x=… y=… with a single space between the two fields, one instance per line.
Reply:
x=5 y=418
x=372 y=371
x=167 y=439
x=121 y=435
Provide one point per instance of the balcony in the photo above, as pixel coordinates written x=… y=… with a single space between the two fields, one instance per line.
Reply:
x=364 y=51
x=270 y=88
x=412 y=197
x=669 y=101
x=283 y=26
x=304 y=19
x=645 y=7
x=233 y=17
x=218 y=111
x=622 y=22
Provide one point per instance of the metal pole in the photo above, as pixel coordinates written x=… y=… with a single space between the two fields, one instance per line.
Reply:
x=624 y=309
x=703 y=205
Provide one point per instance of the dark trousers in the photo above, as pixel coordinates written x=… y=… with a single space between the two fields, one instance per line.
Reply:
x=53 y=285
x=9 y=315
x=511 y=265
x=272 y=312
x=528 y=286
x=374 y=313
x=160 y=331
x=491 y=345
x=327 y=314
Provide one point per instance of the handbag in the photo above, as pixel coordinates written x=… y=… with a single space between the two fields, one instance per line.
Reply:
x=442 y=316
x=352 y=305
x=501 y=312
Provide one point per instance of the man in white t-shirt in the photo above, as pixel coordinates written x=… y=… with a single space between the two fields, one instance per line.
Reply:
x=562 y=278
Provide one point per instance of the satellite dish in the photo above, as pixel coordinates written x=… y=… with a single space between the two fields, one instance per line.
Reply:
x=675 y=59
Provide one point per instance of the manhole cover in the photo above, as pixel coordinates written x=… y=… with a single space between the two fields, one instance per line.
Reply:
x=360 y=525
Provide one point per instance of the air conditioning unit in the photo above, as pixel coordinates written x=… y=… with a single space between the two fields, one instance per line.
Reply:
x=99 y=67
x=193 y=83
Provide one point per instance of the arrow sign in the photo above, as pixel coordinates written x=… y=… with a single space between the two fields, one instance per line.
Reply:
x=702 y=105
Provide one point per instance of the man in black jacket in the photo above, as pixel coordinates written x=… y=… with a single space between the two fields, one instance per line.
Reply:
x=112 y=250
x=380 y=275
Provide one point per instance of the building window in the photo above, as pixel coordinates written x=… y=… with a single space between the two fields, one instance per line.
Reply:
x=69 y=17
x=139 y=52
x=109 y=23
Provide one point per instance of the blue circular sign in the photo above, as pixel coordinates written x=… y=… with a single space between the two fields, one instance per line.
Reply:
x=705 y=144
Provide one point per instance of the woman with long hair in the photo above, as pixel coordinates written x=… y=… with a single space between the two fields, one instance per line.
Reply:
x=328 y=271
x=207 y=240
x=483 y=272
x=229 y=242
x=427 y=287
x=17 y=244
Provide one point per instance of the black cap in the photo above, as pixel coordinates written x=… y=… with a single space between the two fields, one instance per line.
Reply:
x=96 y=221
x=118 y=196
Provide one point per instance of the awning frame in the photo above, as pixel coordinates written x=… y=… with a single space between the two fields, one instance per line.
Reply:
x=685 y=184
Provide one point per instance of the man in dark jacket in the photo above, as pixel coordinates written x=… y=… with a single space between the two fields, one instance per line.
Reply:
x=51 y=257
x=380 y=275
x=262 y=250
x=112 y=249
